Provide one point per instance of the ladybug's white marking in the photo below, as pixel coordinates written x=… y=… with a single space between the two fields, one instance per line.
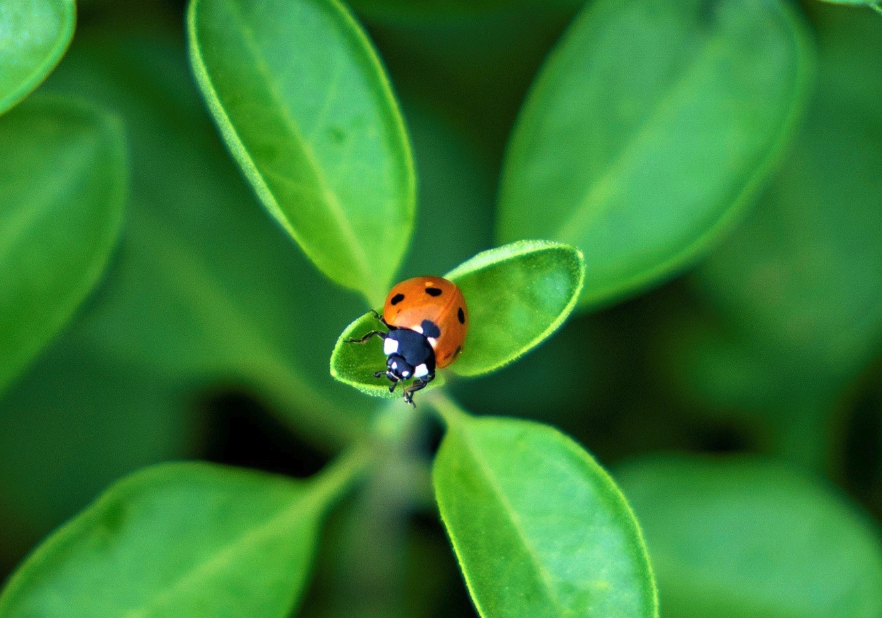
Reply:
x=418 y=329
x=421 y=370
x=432 y=341
x=390 y=346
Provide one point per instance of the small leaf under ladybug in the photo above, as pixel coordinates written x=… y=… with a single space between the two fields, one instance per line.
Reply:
x=517 y=296
x=356 y=365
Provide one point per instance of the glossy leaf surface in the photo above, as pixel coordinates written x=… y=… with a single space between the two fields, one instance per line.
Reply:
x=304 y=105
x=517 y=296
x=191 y=540
x=649 y=129
x=62 y=188
x=538 y=526
x=748 y=537
x=33 y=36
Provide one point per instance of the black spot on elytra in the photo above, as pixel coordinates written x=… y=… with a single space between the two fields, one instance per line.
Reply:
x=461 y=315
x=433 y=291
x=430 y=329
x=397 y=299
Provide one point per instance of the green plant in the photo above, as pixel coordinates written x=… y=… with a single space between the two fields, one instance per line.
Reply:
x=734 y=142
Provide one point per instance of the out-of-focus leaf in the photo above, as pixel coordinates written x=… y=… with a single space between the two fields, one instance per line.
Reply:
x=538 y=526
x=62 y=190
x=210 y=291
x=73 y=424
x=517 y=296
x=190 y=540
x=649 y=129
x=433 y=10
x=33 y=37
x=745 y=537
x=803 y=271
x=304 y=105
x=205 y=290
x=873 y=4
x=793 y=298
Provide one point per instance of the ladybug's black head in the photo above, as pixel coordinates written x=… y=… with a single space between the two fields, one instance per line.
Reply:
x=398 y=369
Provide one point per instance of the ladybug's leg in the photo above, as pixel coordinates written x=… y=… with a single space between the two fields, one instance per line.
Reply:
x=373 y=333
x=382 y=320
x=390 y=377
x=418 y=385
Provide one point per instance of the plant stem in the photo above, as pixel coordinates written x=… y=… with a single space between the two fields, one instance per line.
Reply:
x=448 y=410
x=344 y=471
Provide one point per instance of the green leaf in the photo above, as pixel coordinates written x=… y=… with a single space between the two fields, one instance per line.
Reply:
x=304 y=105
x=539 y=528
x=78 y=420
x=649 y=130
x=517 y=296
x=62 y=188
x=802 y=273
x=745 y=537
x=873 y=4
x=33 y=37
x=192 y=540
x=792 y=297
x=213 y=293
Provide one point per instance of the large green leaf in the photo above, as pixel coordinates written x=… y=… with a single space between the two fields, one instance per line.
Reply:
x=191 y=540
x=305 y=107
x=649 y=129
x=33 y=37
x=517 y=296
x=540 y=529
x=62 y=189
x=744 y=537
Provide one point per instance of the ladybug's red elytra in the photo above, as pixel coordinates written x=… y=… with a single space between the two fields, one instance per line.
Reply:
x=428 y=319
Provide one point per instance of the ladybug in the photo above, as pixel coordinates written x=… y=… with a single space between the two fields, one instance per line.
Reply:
x=427 y=321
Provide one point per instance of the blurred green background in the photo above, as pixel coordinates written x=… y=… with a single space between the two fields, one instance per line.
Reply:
x=760 y=366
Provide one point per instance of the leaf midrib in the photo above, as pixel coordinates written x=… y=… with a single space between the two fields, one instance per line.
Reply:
x=355 y=249
x=574 y=227
x=494 y=485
